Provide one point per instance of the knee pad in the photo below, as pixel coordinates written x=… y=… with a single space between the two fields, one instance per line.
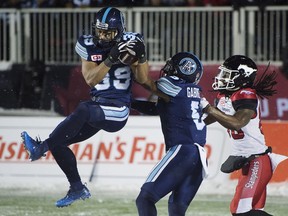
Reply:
x=82 y=110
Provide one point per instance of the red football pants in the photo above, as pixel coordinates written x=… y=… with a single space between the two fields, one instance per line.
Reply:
x=251 y=188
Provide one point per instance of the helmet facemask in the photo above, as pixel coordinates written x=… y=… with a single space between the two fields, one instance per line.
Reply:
x=225 y=79
x=168 y=68
x=108 y=28
x=237 y=72
x=103 y=36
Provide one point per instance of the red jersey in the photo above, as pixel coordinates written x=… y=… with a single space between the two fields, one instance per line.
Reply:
x=249 y=139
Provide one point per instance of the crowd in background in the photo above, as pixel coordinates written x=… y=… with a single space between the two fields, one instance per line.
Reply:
x=133 y=3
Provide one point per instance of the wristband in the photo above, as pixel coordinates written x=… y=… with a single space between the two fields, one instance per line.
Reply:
x=108 y=62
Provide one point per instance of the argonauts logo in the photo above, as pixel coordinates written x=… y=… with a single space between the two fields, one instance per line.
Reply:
x=187 y=66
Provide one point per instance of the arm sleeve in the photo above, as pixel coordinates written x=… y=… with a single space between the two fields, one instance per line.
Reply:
x=145 y=107
x=245 y=104
x=81 y=51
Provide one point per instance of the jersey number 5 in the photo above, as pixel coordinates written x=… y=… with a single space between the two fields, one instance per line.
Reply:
x=196 y=116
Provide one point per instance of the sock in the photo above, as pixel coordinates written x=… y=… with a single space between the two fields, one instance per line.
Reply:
x=76 y=185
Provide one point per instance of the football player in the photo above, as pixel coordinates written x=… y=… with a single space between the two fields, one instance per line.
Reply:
x=238 y=110
x=110 y=80
x=180 y=171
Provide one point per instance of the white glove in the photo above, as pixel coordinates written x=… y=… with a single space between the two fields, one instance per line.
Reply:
x=204 y=103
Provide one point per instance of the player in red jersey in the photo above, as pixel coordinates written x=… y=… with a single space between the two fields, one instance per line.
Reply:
x=238 y=110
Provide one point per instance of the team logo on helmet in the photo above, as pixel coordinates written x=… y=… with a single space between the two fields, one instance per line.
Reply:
x=187 y=66
x=247 y=70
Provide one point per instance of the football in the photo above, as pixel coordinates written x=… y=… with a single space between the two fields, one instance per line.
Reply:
x=127 y=58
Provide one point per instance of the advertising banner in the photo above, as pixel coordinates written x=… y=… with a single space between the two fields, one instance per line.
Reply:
x=125 y=157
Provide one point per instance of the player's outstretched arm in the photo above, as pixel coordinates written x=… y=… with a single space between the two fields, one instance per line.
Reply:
x=235 y=122
x=141 y=70
x=142 y=77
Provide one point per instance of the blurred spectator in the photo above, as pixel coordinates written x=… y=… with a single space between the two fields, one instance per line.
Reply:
x=33 y=3
x=116 y=3
x=12 y=4
x=173 y=2
x=40 y=3
x=261 y=4
x=217 y=2
x=194 y=3
x=167 y=3
x=82 y=3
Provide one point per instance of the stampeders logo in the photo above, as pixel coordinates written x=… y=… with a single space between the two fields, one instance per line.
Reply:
x=254 y=175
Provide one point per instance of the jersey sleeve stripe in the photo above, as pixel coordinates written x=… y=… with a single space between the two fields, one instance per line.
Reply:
x=81 y=51
x=167 y=87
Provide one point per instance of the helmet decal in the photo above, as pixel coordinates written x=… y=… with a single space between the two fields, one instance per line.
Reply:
x=187 y=66
x=247 y=70
x=184 y=65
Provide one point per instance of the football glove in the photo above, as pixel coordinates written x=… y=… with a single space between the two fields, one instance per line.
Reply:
x=204 y=103
x=113 y=56
x=136 y=47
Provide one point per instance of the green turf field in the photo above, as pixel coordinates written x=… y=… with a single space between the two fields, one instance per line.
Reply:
x=28 y=202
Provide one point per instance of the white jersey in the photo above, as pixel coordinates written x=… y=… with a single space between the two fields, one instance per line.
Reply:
x=249 y=139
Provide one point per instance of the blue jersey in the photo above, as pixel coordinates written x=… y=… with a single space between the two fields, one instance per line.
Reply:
x=116 y=85
x=181 y=117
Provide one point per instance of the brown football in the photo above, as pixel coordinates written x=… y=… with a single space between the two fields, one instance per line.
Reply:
x=127 y=58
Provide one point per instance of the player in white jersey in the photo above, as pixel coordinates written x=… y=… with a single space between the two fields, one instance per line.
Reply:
x=238 y=110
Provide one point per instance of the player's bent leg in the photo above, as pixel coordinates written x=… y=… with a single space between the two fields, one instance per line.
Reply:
x=72 y=196
x=145 y=203
x=35 y=148
x=177 y=209
x=253 y=197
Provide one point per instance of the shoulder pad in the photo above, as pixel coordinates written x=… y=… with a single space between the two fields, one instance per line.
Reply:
x=86 y=40
x=166 y=85
x=87 y=50
x=246 y=93
x=131 y=36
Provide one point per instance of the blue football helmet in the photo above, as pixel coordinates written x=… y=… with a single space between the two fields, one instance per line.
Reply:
x=108 y=27
x=184 y=65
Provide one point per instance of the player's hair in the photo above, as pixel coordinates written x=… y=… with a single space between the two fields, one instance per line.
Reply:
x=264 y=86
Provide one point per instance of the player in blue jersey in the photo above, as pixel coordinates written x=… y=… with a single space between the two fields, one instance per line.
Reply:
x=182 y=169
x=108 y=109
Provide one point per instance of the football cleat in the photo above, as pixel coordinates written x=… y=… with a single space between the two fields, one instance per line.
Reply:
x=35 y=148
x=72 y=196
